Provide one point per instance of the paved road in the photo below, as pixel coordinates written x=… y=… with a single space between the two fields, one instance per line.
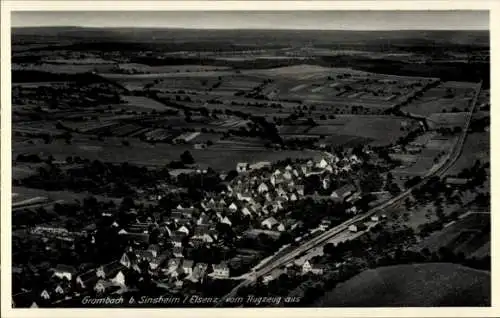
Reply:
x=287 y=258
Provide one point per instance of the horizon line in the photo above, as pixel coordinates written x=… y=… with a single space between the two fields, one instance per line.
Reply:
x=236 y=29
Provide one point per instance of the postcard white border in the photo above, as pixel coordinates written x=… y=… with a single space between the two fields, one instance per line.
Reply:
x=116 y=5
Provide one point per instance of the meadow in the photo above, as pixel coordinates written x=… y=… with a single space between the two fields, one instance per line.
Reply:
x=415 y=285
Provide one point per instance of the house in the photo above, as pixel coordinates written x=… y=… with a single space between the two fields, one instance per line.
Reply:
x=262 y=188
x=272 y=275
x=187 y=267
x=260 y=165
x=293 y=197
x=322 y=164
x=64 y=271
x=173 y=264
x=100 y=272
x=342 y=193
x=45 y=294
x=288 y=168
x=79 y=282
x=287 y=175
x=202 y=234
x=280 y=191
x=456 y=181
x=269 y=223
x=199 y=272
x=203 y=219
x=360 y=226
x=300 y=189
x=352 y=210
x=154 y=249
x=177 y=252
x=233 y=207
x=179 y=283
x=101 y=286
x=307 y=267
x=354 y=197
x=246 y=211
x=125 y=260
x=144 y=255
x=245 y=196
x=59 y=290
x=200 y=146
x=119 y=279
x=281 y=227
x=242 y=167
x=158 y=261
x=177 y=239
x=226 y=220
x=221 y=271
x=183 y=229
x=325 y=183
x=374 y=218
x=277 y=172
x=354 y=159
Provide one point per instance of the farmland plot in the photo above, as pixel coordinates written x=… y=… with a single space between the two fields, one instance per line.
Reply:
x=145 y=103
x=466 y=235
x=476 y=147
x=64 y=68
x=447 y=120
x=444 y=97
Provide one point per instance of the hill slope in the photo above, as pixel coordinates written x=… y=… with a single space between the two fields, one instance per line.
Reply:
x=416 y=285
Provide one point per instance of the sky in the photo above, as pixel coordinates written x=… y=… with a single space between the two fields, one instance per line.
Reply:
x=315 y=20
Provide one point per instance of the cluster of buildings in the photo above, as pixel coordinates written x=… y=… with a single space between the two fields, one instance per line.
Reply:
x=258 y=193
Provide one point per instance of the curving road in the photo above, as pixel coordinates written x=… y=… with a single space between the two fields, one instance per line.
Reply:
x=324 y=237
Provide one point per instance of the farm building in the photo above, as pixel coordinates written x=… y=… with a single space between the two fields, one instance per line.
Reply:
x=342 y=193
x=316 y=269
x=64 y=271
x=456 y=181
x=221 y=271
x=360 y=226
x=260 y=165
x=242 y=167
x=269 y=222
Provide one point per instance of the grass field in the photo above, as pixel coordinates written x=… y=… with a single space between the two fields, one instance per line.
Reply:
x=144 y=103
x=64 y=68
x=443 y=98
x=468 y=235
x=381 y=130
x=140 y=153
x=447 y=120
x=416 y=285
x=477 y=147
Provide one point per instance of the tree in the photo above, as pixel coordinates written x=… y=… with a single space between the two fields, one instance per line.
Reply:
x=187 y=158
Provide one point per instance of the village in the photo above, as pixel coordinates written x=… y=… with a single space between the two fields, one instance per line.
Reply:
x=255 y=201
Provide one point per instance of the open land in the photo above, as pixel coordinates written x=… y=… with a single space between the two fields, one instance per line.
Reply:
x=235 y=156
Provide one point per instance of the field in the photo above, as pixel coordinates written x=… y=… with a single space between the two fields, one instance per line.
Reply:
x=416 y=285
x=381 y=130
x=144 y=104
x=468 y=235
x=447 y=120
x=477 y=147
x=64 y=68
x=425 y=160
x=140 y=153
x=132 y=68
x=446 y=97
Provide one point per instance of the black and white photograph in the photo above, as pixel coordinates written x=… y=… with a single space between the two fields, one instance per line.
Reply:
x=250 y=159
